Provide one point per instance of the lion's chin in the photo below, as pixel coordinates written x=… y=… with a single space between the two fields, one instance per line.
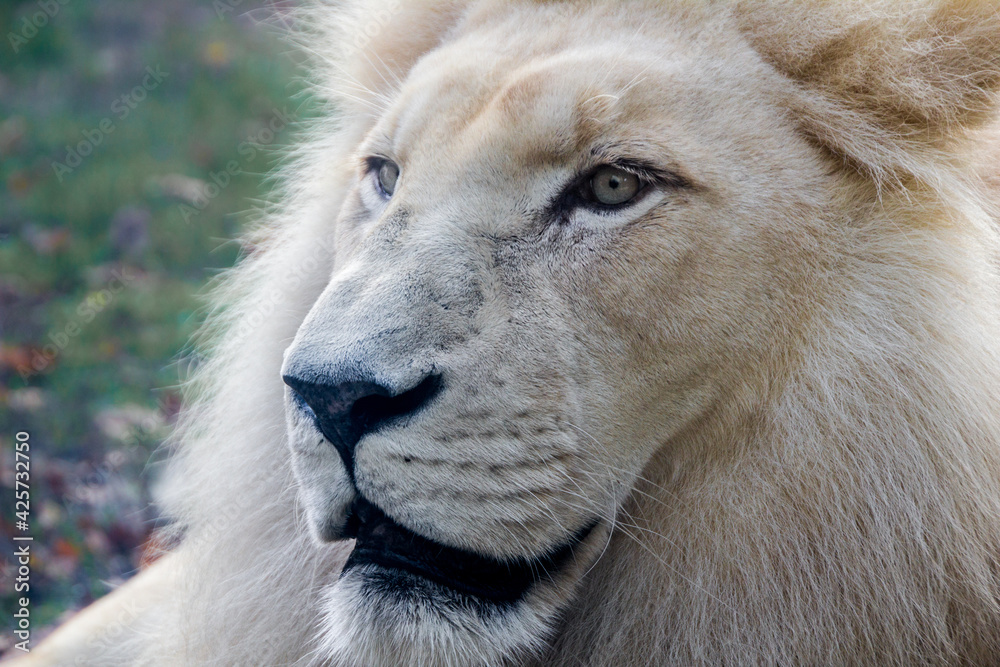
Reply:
x=404 y=599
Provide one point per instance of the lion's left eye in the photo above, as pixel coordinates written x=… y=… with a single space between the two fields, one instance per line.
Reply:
x=611 y=186
x=387 y=174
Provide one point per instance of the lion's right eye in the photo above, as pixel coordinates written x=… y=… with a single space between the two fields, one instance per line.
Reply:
x=387 y=176
x=612 y=186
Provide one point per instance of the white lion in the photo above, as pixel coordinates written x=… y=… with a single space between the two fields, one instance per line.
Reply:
x=613 y=333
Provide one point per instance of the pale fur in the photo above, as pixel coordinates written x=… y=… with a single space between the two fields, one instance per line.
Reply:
x=797 y=430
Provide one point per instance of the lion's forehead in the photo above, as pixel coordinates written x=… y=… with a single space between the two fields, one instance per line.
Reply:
x=527 y=112
x=465 y=116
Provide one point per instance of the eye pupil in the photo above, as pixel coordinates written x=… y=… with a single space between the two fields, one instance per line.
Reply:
x=612 y=186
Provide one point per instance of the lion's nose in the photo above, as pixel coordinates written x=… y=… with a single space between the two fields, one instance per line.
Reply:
x=346 y=411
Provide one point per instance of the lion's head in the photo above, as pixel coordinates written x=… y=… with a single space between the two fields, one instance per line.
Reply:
x=583 y=251
x=562 y=252
x=614 y=333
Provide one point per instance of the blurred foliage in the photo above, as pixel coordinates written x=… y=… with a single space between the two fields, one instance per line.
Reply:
x=118 y=120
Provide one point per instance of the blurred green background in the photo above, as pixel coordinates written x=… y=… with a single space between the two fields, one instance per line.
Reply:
x=134 y=138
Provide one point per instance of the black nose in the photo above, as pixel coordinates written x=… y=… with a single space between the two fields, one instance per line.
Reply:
x=347 y=411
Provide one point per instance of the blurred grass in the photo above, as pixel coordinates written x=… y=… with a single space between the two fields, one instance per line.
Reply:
x=97 y=409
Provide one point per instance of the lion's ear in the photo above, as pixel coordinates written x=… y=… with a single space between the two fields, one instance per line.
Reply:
x=883 y=77
x=373 y=44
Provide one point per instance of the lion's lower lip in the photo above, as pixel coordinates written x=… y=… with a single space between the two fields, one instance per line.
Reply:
x=384 y=543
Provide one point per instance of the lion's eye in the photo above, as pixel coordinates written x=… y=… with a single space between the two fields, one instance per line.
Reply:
x=612 y=186
x=387 y=175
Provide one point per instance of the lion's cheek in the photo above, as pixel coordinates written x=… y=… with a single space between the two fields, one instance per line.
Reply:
x=487 y=491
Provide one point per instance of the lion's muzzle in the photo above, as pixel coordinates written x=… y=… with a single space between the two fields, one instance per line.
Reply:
x=348 y=405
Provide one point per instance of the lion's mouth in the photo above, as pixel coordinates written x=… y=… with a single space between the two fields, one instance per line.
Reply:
x=382 y=542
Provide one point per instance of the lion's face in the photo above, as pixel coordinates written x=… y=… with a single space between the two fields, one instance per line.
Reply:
x=557 y=255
